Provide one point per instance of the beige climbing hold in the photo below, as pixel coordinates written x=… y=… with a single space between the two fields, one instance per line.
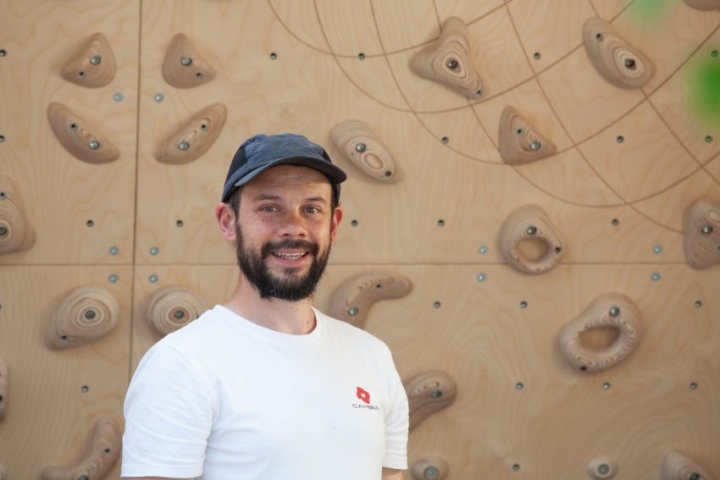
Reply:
x=171 y=308
x=701 y=234
x=80 y=139
x=183 y=67
x=609 y=310
x=704 y=4
x=4 y=387
x=428 y=393
x=519 y=143
x=86 y=314
x=447 y=61
x=615 y=59
x=430 y=468
x=530 y=224
x=102 y=453
x=194 y=138
x=16 y=233
x=365 y=150
x=94 y=66
x=601 y=469
x=678 y=466
x=353 y=299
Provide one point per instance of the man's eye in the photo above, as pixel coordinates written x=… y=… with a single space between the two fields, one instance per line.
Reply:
x=268 y=208
x=312 y=210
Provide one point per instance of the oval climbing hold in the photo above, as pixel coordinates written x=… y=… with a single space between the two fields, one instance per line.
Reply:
x=429 y=393
x=16 y=233
x=530 y=223
x=86 y=314
x=80 y=139
x=183 y=67
x=704 y=4
x=173 y=307
x=447 y=61
x=103 y=451
x=194 y=138
x=601 y=469
x=701 y=234
x=678 y=466
x=354 y=297
x=364 y=149
x=519 y=143
x=610 y=310
x=94 y=66
x=430 y=468
x=615 y=59
x=4 y=387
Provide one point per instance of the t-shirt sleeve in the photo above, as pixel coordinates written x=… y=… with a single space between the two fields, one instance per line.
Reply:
x=168 y=418
x=397 y=422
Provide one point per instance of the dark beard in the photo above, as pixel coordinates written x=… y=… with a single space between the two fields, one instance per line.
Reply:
x=294 y=287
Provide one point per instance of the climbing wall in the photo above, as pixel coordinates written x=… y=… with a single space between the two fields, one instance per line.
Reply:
x=532 y=218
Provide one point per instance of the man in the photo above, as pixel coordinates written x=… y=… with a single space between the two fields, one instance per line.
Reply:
x=265 y=387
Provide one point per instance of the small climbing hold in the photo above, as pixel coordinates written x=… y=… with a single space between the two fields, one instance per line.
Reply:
x=701 y=234
x=183 y=67
x=519 y=143
x=530 y=222
x=678 y=466
x=78 y=137
x=357 y=141
x=429 y=468
x=16 y=233
x=704 y=4
x=194 y=138
x=601 y=469
x=428 y=393
x=94 y=66
x=171 y=308
x=448 y=61
x=4 y=387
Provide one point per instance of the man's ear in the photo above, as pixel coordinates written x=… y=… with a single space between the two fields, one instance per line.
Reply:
x=335 y=222
x=226 y=220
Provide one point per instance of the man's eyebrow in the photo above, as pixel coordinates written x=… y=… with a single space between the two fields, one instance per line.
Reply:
x=269 y=196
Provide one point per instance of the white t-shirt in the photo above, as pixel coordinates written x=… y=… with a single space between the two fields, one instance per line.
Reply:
x=230 y=400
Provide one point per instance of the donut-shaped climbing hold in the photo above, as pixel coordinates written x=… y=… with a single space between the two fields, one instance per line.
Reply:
x=429 y=393
x=430 y=468
x=4 y=387
x=171 y=308
x=448 y=61
x=610 y=310
x=85 y=315
x=183 y=67
x=80 y=139
x=678 y=466
x=360 y=145
x=16 y=233
x=530 y=223
x=519 y=143
x=354 y=297
x=94 y=66
x=601 y=469
x=194 y=138
x=704 y=4
x=615 y=60
x=701 y=234
x=102 y=453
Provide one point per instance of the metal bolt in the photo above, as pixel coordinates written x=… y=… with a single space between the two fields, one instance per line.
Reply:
x=118 y=97
x=361 y=56
x=655 y=277
x=154 y=251
x=178 y=314
x=693 y=476
x=360 y=147
x=482 y=277
x=698 y=304
x=179 y=223
x=519 y=386
x=183 y=145
x=709 y=139
x=615 y=222
x=437 y=304
x=630 y=63
x=444 y=139
x=707 y=229
x=535 y=145
x=96 y=59
x=113 y=250
x=354 y=223
x=516 y=467
x=614 y=311
x=452 y=64
x=90 y=223
x=523 y=304
x=94 y=144
x=606 y=386
x=483 y=250
x=159 y=97
x=273 y=56
x=153 y=278
x=3 y=231
x=187 y=61
x=84 y=389
x=714 y=53
x=537 y=56
x=436 y=394
x=353 y=311
x=2 y=138
x=83 y=477
x=441 y=223
x=693 y=386
x=657 y=249
x=603 y=469
x=90 y=314
x=431 y=473
x=113 y=278
x=3 y=52
x=3 y=195
x=531 y=230
x=203 y=126
x=620 y=139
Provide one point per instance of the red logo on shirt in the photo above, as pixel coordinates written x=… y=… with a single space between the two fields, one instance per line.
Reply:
x=363 y=395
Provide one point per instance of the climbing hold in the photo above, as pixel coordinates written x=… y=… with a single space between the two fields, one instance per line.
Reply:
x=4 y=386
x=194 y=138
x=428 y=393
x=616 y=60
x=704 y=4
x=601 y=469
x=171 y=308
x=447 y=61
x=678 y=466
x=94 y=66
x=183 y=67
x=530 y=223
x=701 y=234
x=102 y=453
x=353 y=299
x=519 y=143
x=78 y=138
x=365 y=150
x=16 y=233
x=429 y=468
x=86 y=314
x=613 y=310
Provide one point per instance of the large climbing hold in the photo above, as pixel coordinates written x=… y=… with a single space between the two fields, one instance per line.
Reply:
x=429 y=468
x=80 y=139
x=94 y=66
x=447 y=61
x=360 y=145
x=704 y=4
x=183 y=67
x=529 y=226
x=429 y=393
x=678 y=466
x=4 y=387
x=701 y=234
x=608 y=311
x=16 y=233
x=615 y=59
x=195 y=137
x=85 y=315
x=171 y=308
x=519 y=142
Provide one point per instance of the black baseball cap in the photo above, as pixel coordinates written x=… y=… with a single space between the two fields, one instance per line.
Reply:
x=260 y=152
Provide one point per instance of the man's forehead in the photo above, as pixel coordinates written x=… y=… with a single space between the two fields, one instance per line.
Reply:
x=289 y=175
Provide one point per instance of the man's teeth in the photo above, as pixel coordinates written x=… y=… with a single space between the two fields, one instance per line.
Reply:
x=290 y=256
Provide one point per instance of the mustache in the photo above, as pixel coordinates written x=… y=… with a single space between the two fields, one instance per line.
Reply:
x=312 y=247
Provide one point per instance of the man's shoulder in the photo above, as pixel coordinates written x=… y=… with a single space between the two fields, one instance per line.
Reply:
x=340 y=327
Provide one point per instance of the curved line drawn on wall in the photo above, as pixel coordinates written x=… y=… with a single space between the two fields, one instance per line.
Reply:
x=354 y=297
x=518 y=142
x=609 y=310
x=80 y=139
x=701 y=234
x=361 y=145
x=16 y=233
x=194 y=138
x=602 y=469
x=171 y=308
x=448 y=61
x=103 y=451
x=86 y=314
x=704 y=4
x=183 y=67
x=430 y=468
x=94 y=66
x=429 y=393
x=615 y=60
x=530 y=223
x=678 y=466
x=4 y=387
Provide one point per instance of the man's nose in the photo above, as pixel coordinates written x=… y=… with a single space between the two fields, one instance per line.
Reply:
x=293 y=225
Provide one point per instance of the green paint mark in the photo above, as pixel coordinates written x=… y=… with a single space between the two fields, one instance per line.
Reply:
x=705 y=87
x=648 y=9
